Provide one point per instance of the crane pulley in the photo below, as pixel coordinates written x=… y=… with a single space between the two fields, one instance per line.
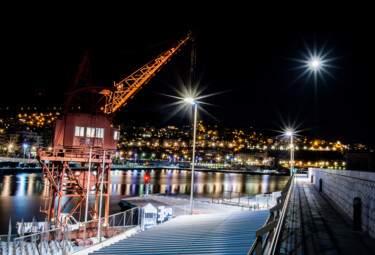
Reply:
x=124 y=90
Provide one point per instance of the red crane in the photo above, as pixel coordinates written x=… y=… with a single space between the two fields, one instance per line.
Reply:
x=89 y=139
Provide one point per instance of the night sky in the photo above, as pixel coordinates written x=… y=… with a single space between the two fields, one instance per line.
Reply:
x=246 y=54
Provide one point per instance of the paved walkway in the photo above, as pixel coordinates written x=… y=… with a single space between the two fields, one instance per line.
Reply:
x=315 y=225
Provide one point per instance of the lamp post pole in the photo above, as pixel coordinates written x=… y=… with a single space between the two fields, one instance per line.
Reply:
x=193 y=159
x=101 y=201
x=87 y=198
x=291 y=154
x=291 y=133
x=24 y=151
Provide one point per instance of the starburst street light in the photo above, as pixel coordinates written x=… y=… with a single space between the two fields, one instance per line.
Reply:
x=290 y=133
x=189 y=96
x=192 y=101
x=315 y=63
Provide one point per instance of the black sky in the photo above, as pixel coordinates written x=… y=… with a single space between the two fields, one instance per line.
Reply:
x=245 y=51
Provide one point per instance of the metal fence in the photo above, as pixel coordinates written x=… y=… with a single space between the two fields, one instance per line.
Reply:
x=72 y=238
x=272 y=229
x=245 y=200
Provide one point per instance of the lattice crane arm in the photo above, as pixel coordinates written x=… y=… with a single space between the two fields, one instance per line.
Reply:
x=124 y=90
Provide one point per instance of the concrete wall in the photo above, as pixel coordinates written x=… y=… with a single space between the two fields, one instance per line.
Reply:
x=342 y=186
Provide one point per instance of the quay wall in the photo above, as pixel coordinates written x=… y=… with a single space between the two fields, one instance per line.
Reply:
x=26 y=160
x=342 y=186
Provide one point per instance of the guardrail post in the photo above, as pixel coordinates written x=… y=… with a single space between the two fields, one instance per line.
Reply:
x=131 y=218
x=9 y=234
x=258 y=247
x=124 y=219
x=100 y=229
x=14 y=247
x=63 y=245
x=114 y=224
x=139 y=216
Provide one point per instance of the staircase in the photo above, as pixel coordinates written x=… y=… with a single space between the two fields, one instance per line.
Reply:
x=229 y=233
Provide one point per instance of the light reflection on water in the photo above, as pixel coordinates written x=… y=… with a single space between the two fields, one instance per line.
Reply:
x=207 y=184
x=21 y=193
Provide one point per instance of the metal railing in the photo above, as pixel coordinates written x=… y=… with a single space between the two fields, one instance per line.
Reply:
x=272 y=229
x=76 y=155
x=257 y=202
x=73 y=238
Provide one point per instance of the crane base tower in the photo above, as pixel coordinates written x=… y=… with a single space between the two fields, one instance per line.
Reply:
x=78 y=167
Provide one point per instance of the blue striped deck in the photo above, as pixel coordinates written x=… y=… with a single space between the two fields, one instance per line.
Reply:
x=230 y=233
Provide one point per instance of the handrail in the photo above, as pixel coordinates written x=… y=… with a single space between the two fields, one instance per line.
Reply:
x=55 y=152
x=273 y=225
x=280 y=224
x=112 y=225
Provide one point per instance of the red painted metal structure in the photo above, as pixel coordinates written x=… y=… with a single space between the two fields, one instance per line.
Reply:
x=88 y=140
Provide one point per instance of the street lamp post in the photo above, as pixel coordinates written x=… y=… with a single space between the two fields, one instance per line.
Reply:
x=10 y=146
x=24 y=150
x=289 y=133
x=192 y=102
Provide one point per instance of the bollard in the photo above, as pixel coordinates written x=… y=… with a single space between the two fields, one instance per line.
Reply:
x=357 y=214
x=320 y=185
x=312 y=178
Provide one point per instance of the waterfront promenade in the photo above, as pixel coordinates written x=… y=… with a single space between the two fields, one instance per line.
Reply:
x=316 y=225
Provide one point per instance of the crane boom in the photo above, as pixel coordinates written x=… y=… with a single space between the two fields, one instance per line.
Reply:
x=127 y=88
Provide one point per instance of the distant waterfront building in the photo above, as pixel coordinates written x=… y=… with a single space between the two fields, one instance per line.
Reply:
x=256 y=158
x=29 y=137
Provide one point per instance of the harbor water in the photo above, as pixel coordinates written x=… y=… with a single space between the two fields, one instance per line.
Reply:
x=21 y=194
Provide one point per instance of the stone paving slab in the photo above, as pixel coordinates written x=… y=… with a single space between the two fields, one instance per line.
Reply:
x=315 y=225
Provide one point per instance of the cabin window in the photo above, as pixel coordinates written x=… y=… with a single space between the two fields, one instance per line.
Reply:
x=99 y=133
x=90 y=132
x=79 y=131
x=116 y=136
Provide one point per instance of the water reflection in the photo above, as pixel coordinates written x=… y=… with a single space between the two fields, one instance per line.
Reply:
x=208 y=184
x=21 y=184
x=21 y=193
x=130 y=183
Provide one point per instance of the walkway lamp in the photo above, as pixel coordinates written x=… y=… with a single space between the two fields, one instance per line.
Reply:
x=291 y=133
x=24 y=150
x=314 y=64
x=192 y=101
x=10 y=146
